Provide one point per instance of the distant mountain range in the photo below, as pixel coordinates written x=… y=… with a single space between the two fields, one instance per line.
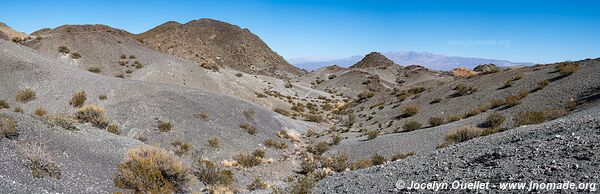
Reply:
x=427 y=59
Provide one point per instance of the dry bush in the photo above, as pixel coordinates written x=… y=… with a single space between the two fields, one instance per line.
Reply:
x=435 y=101
x=410 y=110
x=210 y=66
x=567 y=68
x=247 y=160
x=64 y=49
x=543 y=84
x=411 y=125
x=512 y=101
x=507 y=84
x=494 y=120
x=25 y=95
x=75 y=55
x=148 y=169
x=517 y=77
x=377 y=159
x=113 y=128
x=453 y=118
x=495 y=103
x=303 y=185
x=132 y=56
x=260 y=95
x=201 y=115
x=463 y=134
x=93 y=114
x=38 y=159
x=400 y=156
x=256 y=184
x=138 y=65
x=249 y=128
x=337 y=163
x=299 y=107
x=239 y=74
x=275 y=144
x=214 y=142
x=78 y=99
x=64 y=121
x=4 y=104
x=288 y=85
x=164 y=126
x=365 y=95
x=123 y=56
x=529 y=118
x=182 y=146
x=259 y=153
x=336 y=138
x=40 y=112
x=8 y=127
x=95 y=69
x=249 y=114
x=282 y=111
x=314 y=118
x=18 y=109
x=462 y=90
x=363 y=163
x=372 y=134
x=211 y=174
x=319 y=148
x=436 y=121
x=523 y=94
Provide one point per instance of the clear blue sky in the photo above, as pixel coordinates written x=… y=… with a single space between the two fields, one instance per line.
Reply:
x=532 y=31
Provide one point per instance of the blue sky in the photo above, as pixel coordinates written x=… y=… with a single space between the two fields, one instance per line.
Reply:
x=529 y=31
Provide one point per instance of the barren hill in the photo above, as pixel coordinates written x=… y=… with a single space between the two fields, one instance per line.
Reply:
x=7 y=33
x=373 y=59
x=211 y=42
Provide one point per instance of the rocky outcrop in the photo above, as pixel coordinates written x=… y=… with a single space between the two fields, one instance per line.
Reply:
x=486 y=68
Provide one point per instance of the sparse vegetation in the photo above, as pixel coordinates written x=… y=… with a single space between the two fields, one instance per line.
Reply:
x=436 y=121
x=123 y=56
x=25 y=95
x=214 y=142
x=494 y=120
x=249 y=128
x=435 y=101
x=410 y=110
x=364 y=96
x=148 y=169
x=260 y=95
x=247 y=160
x=239 y=74
x=567 y=68
x=182 y=146
x=372 y=134
x=303 y=185
x=543 y=84
x=95 y=69
x=319 y=148
x=462 y=134
x=92 y=114
x=4 y=104
x=462 y=90
x=38 y=159
x=315 y=118
x=288 y=85
x=18 y=109
x=282 y=111
x=210 y=66
x=377 y=159
x=411 y=125
x=201 y=115
x=40 y=112
x=400 y=156
x=362 y=163
x=102 y=97
x=511 y=101
x=336 y=138
x=64 y=49
x=259 y=153
x=164 y=126
x=8 y=127
x=249 y=113
x=64 y=121
x=495 y=103
x=75 y=55
x=138 y=65
x=453 y=118
x=256 y=184
x=211 y=174
x=78 y=99
x=275 y=144
x=529 y=118
x=113 y=128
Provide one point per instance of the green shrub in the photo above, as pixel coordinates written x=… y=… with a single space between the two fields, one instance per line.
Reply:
x=463 y=134
x=436 y=121
x=411 y=126
x=529 y=118
x=249 y=128
x=377 y=159
x=148 y=169
x=495 y=120
x=8 y=127
x=78 y=99
x=25 y=95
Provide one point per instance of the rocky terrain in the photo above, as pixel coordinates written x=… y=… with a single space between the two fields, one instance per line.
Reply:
x=208 y=107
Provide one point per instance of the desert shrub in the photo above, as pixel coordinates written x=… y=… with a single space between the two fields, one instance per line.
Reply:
x=411 y=125
x=38 y=159
x=332 y=76
x=4 y=104
x=308 y=164
x=64 y=121
x=94 y=69
x=113 y=128
x=18 y=109
x=304 y=184
x=211 y=174
x=543 y=84
x=25 y=95
x=319 y=148
x=210 y=66
x=326 y=107
x=259 y=153
x=78 y=99
x=249 y=114
x=567 y=68
x=517 y=77
x=400 y=156
x=372 y=134
x=523 y=94
x=75 y=55
x=102 y=97
x=288 y=85
x=410 y=110
x=299 y=107
x=315 y=118
x=40 y=112
x=201 y=115
x=435 y=101
x=256 y=184
x=507 y=84
x=495 y=103
x=275 y=144
x=453 y=118
x=132 y=56
x=494 y=120
x=123 y=56
x=360 y=164
x=436 y=121
x=247 y=160
x=93 y=114
x=462 y=90
x=148 y=169
x=555 y=113
x=182 y=146
x=462 y=134
x=138 y=65
x=338 y=162
x=570 y=105
x=311 y=133
x=512 y=101
x=120 y=75
x=377 y=159
x=64 y=49
x=282 y=111
x=336 y=138
x=364 y=95
x=8 y=127
x=249 y=128
x=214 y=142
x=164 y=126
x=529 y=118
